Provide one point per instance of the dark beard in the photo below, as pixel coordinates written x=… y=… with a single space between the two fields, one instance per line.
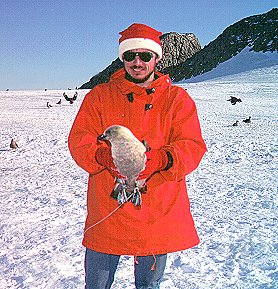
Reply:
x=135 y=80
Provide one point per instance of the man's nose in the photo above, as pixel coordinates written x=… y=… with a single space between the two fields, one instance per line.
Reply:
x=137 y=60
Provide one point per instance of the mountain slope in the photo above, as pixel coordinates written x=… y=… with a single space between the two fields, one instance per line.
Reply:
x=244 y=61
x=258 y=33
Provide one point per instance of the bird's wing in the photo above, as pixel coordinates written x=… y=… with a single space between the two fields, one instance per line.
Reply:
x=66 y=97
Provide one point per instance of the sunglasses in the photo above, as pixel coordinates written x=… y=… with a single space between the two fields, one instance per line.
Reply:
x=144 y=56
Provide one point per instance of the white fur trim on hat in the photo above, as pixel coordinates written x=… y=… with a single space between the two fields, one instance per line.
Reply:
x=136 y=43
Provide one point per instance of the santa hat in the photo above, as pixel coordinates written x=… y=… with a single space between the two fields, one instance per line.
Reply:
x=140 y=36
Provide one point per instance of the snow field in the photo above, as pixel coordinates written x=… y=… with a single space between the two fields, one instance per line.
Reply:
x=233 y=192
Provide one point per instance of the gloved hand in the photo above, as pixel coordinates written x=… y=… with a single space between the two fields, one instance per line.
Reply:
x=104 y=157
x=157 y=160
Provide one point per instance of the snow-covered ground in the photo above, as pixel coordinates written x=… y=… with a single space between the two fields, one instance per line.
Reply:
x=233 y=192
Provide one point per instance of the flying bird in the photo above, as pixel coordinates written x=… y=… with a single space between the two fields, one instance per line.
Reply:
x=48 y=105
x=234 y=100
x=130 y=159
x=59 y=102
x=70 y=99
x=248 y=120
x=13 y=144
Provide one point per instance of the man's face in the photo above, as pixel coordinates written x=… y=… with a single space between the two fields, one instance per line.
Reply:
x=139 y=69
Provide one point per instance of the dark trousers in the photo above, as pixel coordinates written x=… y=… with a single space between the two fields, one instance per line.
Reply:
x=100 y=269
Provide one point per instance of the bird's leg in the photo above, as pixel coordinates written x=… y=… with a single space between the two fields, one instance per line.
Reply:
x=122 y=195
x=137 y=197
x=121 y=198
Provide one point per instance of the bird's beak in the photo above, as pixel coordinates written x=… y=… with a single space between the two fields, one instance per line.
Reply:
x=101 y=137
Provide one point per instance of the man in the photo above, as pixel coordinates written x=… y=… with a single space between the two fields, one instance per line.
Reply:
x=143 y=100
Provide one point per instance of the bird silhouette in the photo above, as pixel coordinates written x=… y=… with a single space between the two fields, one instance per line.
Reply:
x=70 y=99
x=48 y=105
x=59 y=102
x=236 y=123
x=248 y=120
x=234 y=100
x=13 y=144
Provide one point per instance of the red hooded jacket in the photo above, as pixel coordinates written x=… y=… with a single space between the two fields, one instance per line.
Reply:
x=164 y=222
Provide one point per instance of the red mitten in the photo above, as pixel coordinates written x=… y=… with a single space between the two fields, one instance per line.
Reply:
x=104 y=157
x=157 y=160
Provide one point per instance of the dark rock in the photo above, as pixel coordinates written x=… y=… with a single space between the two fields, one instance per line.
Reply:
x=177 y=48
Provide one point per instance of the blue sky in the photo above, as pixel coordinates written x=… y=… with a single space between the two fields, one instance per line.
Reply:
x=57 y=44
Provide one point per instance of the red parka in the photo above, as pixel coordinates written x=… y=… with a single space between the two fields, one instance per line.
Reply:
x=164 y=222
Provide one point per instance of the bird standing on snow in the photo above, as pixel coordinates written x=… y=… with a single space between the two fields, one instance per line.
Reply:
x=70 y=99
x=236 y=123
x=248 y=120
x=13 y=144
x=129 y=157
x=48 y=105
x=234 y=100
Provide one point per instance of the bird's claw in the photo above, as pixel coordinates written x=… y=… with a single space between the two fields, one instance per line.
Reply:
x=123 y=194
x=122 y=197
x=136 y=197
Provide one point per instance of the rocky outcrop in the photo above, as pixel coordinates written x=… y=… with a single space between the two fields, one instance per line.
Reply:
x=176 y=49
x=258 y=32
